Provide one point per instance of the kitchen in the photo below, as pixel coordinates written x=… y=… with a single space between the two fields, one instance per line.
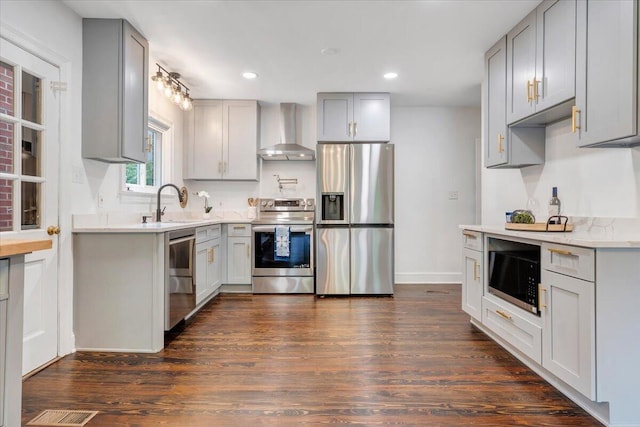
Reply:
x=436 y=146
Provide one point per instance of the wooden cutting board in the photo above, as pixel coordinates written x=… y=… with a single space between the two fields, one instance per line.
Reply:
x=538 y=226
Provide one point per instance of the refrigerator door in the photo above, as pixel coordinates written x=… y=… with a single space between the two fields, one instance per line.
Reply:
x=332 y=166
x=372 y=185
x=372 y=261
x=332 y=266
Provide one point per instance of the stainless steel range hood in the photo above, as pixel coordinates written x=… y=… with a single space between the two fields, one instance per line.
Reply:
x=287 y=149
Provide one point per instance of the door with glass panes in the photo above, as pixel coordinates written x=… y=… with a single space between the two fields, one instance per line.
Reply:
x=29 y=161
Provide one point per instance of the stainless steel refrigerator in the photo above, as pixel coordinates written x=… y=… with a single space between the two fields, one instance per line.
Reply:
x=354 y=219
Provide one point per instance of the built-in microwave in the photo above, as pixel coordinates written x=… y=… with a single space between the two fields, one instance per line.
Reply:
x=514 y=276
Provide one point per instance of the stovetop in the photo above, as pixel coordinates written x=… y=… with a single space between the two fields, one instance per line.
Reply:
x=286 y=211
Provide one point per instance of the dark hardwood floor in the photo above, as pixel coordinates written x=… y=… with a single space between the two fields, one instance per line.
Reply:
x=275 y=360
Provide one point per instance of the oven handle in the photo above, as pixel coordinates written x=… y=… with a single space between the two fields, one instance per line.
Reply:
x=272 y=229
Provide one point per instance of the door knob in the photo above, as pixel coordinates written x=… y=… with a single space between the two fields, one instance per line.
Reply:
x=52 y=229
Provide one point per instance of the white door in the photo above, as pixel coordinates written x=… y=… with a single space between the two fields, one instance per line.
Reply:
x=29 y=144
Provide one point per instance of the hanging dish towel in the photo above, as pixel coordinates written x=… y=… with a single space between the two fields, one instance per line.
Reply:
x=282 y=242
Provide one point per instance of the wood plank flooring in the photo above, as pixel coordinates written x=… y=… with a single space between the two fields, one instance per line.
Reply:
x=287 y=360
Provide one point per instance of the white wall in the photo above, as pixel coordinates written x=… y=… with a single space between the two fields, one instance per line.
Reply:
x=592 y=182
x=435 y=154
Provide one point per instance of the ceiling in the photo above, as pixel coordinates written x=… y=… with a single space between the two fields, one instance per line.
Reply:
x=436 y=47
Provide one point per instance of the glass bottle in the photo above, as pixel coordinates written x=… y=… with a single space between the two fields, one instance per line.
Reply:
x=554 y=206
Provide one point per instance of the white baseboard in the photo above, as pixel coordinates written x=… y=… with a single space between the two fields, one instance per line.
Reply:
x=431 y=278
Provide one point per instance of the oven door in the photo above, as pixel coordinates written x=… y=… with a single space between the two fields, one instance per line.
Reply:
x=300 y=259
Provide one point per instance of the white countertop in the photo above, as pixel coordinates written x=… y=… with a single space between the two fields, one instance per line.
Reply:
x=102 y=224
x=600 y=238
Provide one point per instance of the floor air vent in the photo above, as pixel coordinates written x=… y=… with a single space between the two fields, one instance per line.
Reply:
x=53 y=417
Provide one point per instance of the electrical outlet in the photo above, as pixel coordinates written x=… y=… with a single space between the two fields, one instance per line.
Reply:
x=453 y=194
x=77 y=175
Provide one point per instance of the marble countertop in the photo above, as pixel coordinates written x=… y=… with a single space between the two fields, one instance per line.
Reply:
x=9 y=247
x=585 y=238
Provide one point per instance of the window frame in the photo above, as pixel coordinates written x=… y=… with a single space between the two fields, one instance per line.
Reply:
x=165 y=128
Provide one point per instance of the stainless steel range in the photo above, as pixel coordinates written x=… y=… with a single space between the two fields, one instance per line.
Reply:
x=282 y=235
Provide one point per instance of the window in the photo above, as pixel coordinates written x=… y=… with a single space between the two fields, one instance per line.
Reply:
x=147 y=177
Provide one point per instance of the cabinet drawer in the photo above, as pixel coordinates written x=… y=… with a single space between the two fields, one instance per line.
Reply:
x=472 y=240
x=570 y=260
x=516 y=330
x=239 y=230
x=208 y=232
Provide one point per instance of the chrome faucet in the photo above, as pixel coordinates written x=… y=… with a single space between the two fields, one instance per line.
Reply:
x=182 y=197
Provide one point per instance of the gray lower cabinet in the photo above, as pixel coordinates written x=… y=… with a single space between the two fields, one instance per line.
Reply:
x=608 y=78
x=506 y=147
x=119 y=291
x=4 y=297
x=541 y=53
x=115 y=81
x=363 y=117
x=11 y=327
x=239 y=254
x=472 y=275
x=208 y=259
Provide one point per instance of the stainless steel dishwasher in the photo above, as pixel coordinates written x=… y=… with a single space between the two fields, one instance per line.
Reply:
x=180 y=291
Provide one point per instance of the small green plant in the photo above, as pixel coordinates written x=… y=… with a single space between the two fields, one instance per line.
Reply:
x=522 y=217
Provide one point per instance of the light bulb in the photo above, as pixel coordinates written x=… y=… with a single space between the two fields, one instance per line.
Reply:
x=177 y=95
x=186 y=103
x=168 y=89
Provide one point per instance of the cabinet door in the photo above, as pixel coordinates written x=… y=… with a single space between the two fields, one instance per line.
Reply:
x=521 y=69
x=214 y=270
x=607 y=65
x=495 y=104
x=240 y=140
x=335 y=117
x=239 y=260
x=472 y=287
x=556 y=52
x=135 y=78
x=371 y=117
x=569 y=330
x=204 y=159
x=203 y=255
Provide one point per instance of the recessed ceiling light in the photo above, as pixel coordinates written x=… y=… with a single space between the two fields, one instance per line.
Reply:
x=250 y=75
x=390 y=76
x=329 y=51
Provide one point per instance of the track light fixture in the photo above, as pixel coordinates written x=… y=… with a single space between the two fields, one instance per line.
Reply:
x=170 y=85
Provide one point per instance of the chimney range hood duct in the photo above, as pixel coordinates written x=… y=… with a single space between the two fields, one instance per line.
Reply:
x=287 y=149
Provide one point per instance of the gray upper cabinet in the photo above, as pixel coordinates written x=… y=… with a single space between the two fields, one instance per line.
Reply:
x=115 y=81
x=495 y=104
x=506 y=147
x=360 y=117
x=221 y=140
x=541 y=53
x=607 y=82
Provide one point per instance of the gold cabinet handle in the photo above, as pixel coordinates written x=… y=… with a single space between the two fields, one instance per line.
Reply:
x=529 y=86
x=476 y=273
x=535 y=89
x=466 y=233
x=574 y=118
x=560 y=251
x=503 y=314
x=500 y=139
x=53 y=229
x=211 y=255
x=149 y=145
x=542 y=300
